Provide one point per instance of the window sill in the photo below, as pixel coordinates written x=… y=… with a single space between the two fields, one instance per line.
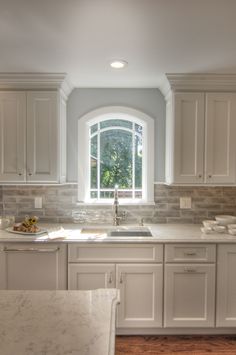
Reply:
x=121 y=203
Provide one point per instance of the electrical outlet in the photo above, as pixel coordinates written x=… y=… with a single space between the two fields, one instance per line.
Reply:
x=38 y=202
x=185 y=202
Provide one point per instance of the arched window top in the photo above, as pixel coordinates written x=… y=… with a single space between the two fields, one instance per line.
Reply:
x=117 y=144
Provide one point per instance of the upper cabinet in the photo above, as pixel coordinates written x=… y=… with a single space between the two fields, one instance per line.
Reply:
x=200 y=136
x=33 y=134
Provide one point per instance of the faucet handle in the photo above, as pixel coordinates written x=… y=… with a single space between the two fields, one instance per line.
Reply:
x=141 y=222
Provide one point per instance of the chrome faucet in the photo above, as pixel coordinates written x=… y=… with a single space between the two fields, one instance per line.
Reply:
x=116 y=217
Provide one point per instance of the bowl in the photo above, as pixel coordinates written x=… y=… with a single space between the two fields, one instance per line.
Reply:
x=224 y=220
x=210 y=223
x=231 y=226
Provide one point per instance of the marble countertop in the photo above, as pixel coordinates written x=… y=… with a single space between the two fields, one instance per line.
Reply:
x=162 y=233
x=58 y=322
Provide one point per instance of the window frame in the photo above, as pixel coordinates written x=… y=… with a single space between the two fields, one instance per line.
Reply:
x=124 y=113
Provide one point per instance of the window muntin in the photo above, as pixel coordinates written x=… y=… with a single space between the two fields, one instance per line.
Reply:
x=116 y=158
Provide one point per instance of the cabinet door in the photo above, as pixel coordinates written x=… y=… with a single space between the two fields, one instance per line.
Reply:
x=91 y=276
x=220 y=138
x=33 y=267
x=189 y=137
x=189 y=295
x=226 y=286
x=42 y=136
x=141 y=295
x=12 y=136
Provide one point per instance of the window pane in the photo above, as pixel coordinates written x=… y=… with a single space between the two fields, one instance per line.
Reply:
x=93 y=194
x=112 y=123
x=116 y=159
x=138 y=162
x=93 y=161
x=138 y=128
x=138 y=194
x=93 y=128
x=107 y=194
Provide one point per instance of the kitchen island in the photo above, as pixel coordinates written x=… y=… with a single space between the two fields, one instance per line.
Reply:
x=58 y=322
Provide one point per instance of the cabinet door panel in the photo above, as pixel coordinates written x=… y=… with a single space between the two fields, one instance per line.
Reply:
x=189 y=295
x=226 y=286
x=189 y=137
x=220 y=138
x=12 y=136
x=91 y=276
x=141 y=295
x=33 y=267
x=42 y=136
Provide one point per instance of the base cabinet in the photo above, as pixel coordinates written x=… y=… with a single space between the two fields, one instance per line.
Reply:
x=140 y=284
x=32 y=266
x=226 y=286
x=141 y=295
x=189 y=295
x=140 y=288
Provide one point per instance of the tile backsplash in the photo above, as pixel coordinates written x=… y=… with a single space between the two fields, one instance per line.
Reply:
x=60 y=200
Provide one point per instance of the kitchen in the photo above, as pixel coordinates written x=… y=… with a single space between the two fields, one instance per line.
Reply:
x=65 y=112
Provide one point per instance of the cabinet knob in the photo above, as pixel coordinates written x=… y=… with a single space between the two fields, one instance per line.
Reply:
x=30 y=174
x=199 y=176
x=20 y=174
x=209 y=176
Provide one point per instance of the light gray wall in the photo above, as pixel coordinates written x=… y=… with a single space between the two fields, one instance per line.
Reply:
x=82 y=101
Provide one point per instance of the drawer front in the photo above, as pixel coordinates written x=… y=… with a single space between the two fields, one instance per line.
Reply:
x=190 y=252
x=115 y=253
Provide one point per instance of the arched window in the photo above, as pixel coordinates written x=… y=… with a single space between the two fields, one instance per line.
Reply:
x=115 y=149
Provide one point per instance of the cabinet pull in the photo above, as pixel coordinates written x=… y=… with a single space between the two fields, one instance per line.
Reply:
x=190 y=269
x=190 y=253
x=41 y=250
x=121 y=278
x=19 y=174
x=110 y=278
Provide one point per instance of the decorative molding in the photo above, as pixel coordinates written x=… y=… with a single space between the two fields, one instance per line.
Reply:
x=198 y=82
x=36 y=81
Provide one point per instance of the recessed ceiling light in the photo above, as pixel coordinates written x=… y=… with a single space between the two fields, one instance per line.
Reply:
x=118 y=64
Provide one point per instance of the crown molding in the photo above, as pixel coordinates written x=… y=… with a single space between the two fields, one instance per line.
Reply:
x=198 y=82
x=36 y=81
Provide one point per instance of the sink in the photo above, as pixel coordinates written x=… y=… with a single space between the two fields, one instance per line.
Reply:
x=118 y=231
x=145 y=232
x=91 y=230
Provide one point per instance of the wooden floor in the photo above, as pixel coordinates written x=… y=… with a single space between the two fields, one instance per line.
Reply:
x=176 y=345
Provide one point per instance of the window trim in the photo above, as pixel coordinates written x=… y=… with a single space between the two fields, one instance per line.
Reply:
x=116 y=112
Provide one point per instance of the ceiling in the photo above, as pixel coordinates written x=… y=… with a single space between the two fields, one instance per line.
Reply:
x=80 y=37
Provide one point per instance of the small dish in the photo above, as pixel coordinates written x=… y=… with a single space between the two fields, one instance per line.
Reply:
x=210 y=223
x=206 y=230
x=232 y=231
x=219 y=229
x=224 y=220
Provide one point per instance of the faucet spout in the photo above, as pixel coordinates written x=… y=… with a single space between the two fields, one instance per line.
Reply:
x=116 y=217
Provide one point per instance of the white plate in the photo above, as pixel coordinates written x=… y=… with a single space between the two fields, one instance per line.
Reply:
x=41 y=231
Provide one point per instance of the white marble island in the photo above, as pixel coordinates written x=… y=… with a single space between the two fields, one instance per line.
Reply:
x=58 y=322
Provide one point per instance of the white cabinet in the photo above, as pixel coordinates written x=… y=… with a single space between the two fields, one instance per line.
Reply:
x=12 y=136
x=33 y=266
x=226 y=286
x=220 y=138
x=91 y=276
x=33 y=136
x=200 y=133
x=141 y=295
x=137 y=270
x=189 y=295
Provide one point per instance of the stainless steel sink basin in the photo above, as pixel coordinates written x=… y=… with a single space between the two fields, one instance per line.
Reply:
x=118 y=231
x=130 y=233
